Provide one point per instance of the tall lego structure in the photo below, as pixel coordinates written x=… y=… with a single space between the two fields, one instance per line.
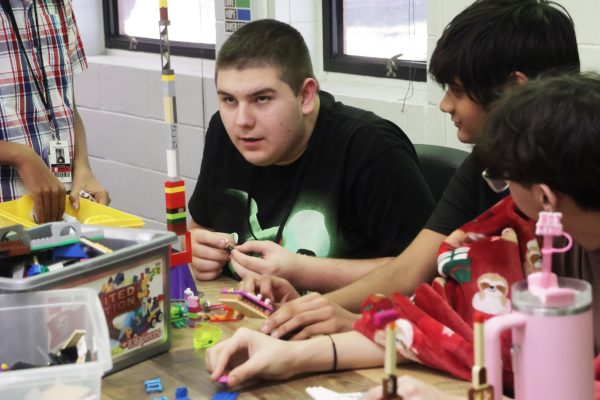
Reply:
x=181 y=276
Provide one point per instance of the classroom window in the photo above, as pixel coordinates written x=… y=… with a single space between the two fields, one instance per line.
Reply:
x=133 y=25
x=360 y=37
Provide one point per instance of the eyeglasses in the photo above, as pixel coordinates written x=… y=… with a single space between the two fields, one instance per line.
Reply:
x=497 y=185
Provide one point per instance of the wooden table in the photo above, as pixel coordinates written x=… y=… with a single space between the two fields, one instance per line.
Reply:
x=184 y=366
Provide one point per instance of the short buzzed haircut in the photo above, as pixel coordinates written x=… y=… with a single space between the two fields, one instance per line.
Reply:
x=268 y=42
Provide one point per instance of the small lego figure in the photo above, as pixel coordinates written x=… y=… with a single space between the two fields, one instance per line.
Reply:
x=36 y=268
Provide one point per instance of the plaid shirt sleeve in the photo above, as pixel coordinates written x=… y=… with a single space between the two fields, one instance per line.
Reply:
x=77 y=55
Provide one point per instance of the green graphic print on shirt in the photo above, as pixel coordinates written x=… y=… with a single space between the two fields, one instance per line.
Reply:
x=305 y=228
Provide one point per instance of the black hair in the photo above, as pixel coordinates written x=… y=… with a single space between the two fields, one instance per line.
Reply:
x=548 y=131
x=488 y=41
x=268 y=42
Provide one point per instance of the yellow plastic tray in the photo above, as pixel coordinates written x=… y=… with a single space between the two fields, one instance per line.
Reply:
x=19 y=212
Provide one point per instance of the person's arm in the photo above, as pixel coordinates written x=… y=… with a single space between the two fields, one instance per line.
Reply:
x=249 y=354
x=327 y=274
x=47 y=191
x=302 y=271
x=83 y=178
x=415 y=265
x=316 y=314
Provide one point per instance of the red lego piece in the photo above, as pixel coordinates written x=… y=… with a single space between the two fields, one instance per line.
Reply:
x=179 y=229
x=184 y=256
x=175 y=200
x=174 y=184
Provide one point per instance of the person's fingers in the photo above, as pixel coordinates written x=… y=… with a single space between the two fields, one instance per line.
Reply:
x=298 y=313
x=54 y=205
x=248 y=284
x=242 y=271
x=318 y=328
x=62 y=199
x=279 y=290
x=47 y=206
x=255 y=246
x=215 y=240
x=251 y=263
x=206 y=252
x=205 y=272
x=209 y=357
x=203 y=264
x=102 y=197
x=74 y=200
x=218 y=357
x=38 y=208
x=266 y=287
x=280 y=316
x=243 y=372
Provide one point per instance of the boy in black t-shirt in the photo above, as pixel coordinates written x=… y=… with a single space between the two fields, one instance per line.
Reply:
x=288 y=172
x=488 y=47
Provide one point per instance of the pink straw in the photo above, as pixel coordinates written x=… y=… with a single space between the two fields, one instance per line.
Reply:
x=549 y=226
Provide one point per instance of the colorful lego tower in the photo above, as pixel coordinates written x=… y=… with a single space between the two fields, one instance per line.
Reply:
x=181 y=277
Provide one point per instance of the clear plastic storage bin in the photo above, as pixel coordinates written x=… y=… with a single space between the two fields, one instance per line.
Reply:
x=37 y=323
x=132 y=284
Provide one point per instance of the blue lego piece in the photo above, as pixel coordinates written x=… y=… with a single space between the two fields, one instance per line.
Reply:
x=153 y=385
x=162 y=398
x=181 y=393
x=225 y=396
x=71 y=251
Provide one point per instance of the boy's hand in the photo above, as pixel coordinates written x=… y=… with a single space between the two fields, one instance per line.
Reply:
x=274 y=259
x=209 y=253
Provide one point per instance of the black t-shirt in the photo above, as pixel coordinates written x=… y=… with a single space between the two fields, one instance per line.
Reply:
x=356 y=192
x=466 y=197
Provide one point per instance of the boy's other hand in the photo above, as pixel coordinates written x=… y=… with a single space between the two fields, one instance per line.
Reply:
x=272 y=259
x=209 y=253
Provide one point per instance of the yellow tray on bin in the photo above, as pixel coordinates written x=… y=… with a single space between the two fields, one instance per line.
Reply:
x=20 y=212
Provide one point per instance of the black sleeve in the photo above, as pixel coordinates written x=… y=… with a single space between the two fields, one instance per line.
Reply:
x=391 y=195
x=466 y=196
x=198 y=203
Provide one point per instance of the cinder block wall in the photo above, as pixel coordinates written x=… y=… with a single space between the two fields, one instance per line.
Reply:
x=120 y=99
x=121 y=105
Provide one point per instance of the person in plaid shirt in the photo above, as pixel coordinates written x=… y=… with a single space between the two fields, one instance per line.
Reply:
x=43 y=149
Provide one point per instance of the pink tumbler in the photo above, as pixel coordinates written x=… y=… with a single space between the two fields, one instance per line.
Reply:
x=552 y=340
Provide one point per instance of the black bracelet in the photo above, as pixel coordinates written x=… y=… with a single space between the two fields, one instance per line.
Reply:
x=334 y=369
